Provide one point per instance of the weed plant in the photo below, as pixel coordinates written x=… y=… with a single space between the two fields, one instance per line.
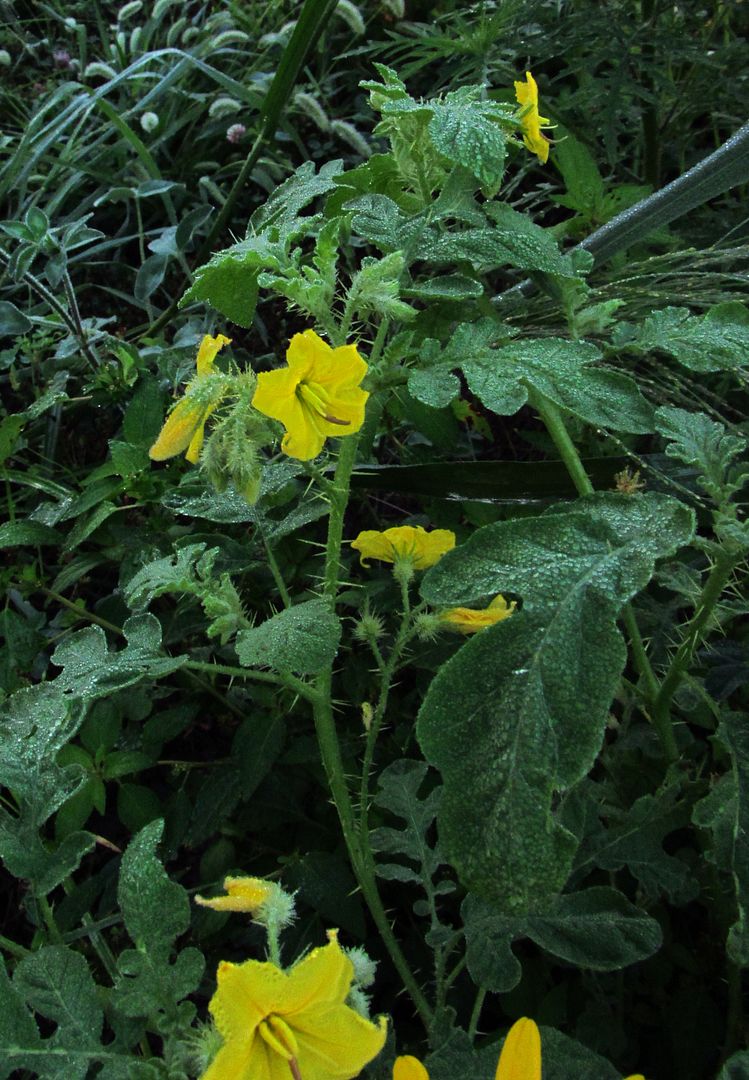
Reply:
x=373 y=448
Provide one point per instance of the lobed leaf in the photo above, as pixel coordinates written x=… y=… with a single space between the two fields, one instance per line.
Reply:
x=519 y=712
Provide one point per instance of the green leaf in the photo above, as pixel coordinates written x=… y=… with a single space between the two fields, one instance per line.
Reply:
x=634 y=838
x=325 y=883
x=596 y=928
x=705 y=444
x=255 y=748
x=27 y=533
x=303 y=638
x=737 y=1067
x=717 y=341
x=717 y=812
x=500 y=375
x=12 y=321
x=56 y=983
x=733 y=730
x=446 y=287
x=464 y=131
x=564 y=1058
x=91 y=671
x=519 y=712
x=527 y=245
x=35 y=725
x=10 y=428
x=583 y=181
x=155 y=909
x=279 y=213
x=18 y=1030
x=145 y=413
x=561 y=370
x=399 y=786
x=228 y=281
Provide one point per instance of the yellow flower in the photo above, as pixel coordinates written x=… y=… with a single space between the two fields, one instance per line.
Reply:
x=530 y=121
x=520 y=1058
x=316 y=397
x=469 y=620
x=245 y=894
x=409 y=1068
x=278 y=1025
x=521 y=1054
x=184 y=427
x=404 y=542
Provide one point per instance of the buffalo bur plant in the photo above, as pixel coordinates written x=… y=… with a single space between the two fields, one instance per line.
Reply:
x=403 y=737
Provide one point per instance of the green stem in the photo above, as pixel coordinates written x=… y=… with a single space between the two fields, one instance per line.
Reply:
x=277 y=575
x=45 y=294
x=13 y=948
x=49 y=919
x=360 y=855
x=76 y=317
x=287 y=679
x=386 y=679
x=711 y=593
x=476 y=1014
x=556 y=427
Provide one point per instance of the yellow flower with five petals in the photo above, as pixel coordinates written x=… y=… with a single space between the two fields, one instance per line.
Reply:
x=530 y=121
x=184 y=427
x=470 y=620
x=520 y=1058
x=286 y=1025
x=411 y=542
x=316 y=397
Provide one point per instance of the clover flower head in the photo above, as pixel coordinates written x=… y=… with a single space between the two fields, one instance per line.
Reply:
x=278 y=1024
x=404 y=543
x=316 y=397
x=234 y=133
x=470 y=620
x=531 y=122
x=149 y=121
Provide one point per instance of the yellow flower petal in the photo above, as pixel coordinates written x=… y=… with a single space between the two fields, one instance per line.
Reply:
x=324 y=974
x=208 y=351
x=244 y=894
x=470 y=620
x=184 y=427
x=246 y=994
x=526 y=94
x=335 y=1042
x=265 y=1015
x=180 y=428
x=521 y=1054
x=316 y=397
x=409 y=1068
x=423 y=548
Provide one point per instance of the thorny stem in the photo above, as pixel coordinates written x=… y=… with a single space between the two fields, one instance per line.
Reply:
x=386 y=679
x=360 y=854
x=287 y=679
x=711 y=592
x=554 y=423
